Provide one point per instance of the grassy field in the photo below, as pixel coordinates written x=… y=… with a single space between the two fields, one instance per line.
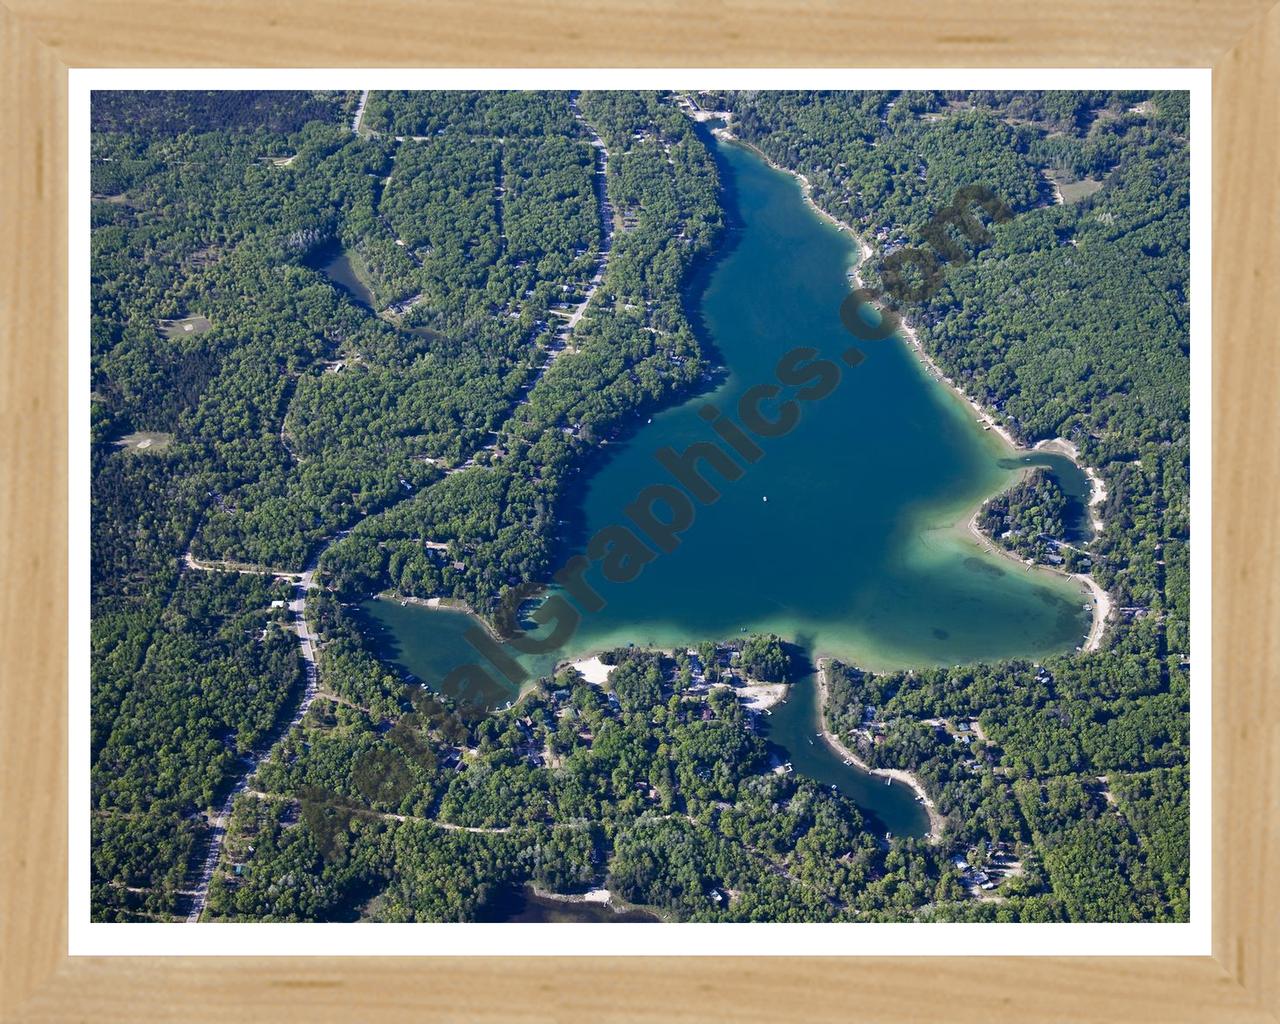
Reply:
x=1070 y=190
x=191 y=325
x=145 y=441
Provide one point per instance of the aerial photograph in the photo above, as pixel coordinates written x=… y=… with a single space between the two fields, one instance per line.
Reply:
x=612 y=506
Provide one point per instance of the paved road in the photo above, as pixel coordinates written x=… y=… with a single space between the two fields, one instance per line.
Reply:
x=254 y=759
x=606 y=221
x=355 y=121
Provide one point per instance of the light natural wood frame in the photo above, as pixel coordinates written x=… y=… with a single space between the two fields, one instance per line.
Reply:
x=41 y=39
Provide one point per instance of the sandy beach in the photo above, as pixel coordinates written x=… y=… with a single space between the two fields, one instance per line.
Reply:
x=936 y=821
x=602 y=897
x=982 y=415
x=448 y=604
x=1101 y=610
x=593 y=670
x=806 y=189
x=757 y=696
x=1101 y=599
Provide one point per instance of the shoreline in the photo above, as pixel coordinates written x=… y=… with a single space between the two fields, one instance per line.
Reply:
x=448 y=604
x=906 y=328
x=598 y=897
x=1102 y=602
x=937 y=823
x=1097 y=486
x=865 y=251
x=753 y=694
x=1102 y=605
x=439 y=604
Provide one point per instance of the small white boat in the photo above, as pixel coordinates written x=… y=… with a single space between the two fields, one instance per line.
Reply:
x=765 y=498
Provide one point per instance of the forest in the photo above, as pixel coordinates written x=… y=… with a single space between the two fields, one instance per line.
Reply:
x=424 y=442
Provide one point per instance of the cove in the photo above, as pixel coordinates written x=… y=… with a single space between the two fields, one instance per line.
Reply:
x=861 y=550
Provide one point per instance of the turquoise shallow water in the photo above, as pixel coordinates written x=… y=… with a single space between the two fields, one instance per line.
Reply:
x=847 y=536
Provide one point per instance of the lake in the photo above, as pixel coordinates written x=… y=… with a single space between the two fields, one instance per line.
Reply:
x=848 y=537
x=340 y=267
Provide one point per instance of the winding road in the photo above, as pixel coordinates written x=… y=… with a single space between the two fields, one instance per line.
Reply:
x=305 y=580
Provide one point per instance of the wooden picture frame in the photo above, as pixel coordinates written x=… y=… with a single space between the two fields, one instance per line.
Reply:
x=41 y=39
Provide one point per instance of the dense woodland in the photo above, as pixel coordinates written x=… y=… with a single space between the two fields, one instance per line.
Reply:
x=423 y=440
x=153 y=114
